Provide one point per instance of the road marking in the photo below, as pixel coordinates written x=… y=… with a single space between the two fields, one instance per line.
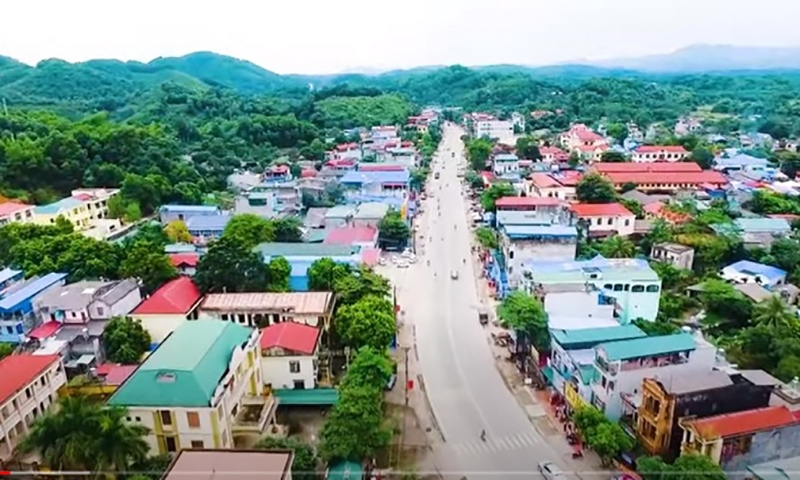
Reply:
x=515 y=441
x=503 y=443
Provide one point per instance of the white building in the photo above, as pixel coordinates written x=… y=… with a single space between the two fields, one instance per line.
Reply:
x=745 y=271
x=505 y=164
x=606 y=218
x=28 y=387
x=659 y=153
x=494 y=129
x=16 y=212
x=168 y=308
x=289 y=355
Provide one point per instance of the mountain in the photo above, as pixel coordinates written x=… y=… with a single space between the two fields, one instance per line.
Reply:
x=711 y=58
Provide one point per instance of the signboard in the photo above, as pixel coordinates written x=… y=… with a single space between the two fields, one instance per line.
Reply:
x=572 y=397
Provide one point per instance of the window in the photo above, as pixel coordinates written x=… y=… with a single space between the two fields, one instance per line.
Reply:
x=627 y=221
x=197 y=444
x=637 y=289
x=101 y=311
x=28 y=392
x=43 y=380
x=166 y=417
x=138 y=419
x=610 y=221
x=652 y=288
x=10 y=330
x=294 y=366
x=172 y=446
x=608 y=286
x=193 y=419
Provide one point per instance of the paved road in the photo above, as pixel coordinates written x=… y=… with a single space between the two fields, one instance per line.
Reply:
x=466 y=392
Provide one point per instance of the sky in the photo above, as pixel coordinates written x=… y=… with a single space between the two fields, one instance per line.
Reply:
x=333 y=36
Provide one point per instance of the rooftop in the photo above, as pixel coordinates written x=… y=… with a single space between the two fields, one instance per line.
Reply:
x=673 y=247
x=555 y=230
x=340 y=211
x=739 y=423
x=653 y=167
x=189 y=208
x=601 y=210
x=694 y=382
x=56 y=207
x=175 y=297
x=753 y=225
x=187 y=259
x=369 y=210
x=25 y=291
x=7 y=274
x=79 y=295
x=661 y=148
x=292 y=336
x=297 y=302
x=18 y=370
x=544 y=180
x=589 y=337
x=648 y=346
x=10 y=208
x=752 y=268
x=527 y=202
x=506 y=157
x=631 y=269
x=208 y=222
x=230 y=465
x=275 y=249
x=740 y=159
x=360 y=177
x=667 y=178
x=381 y=167
x=350 y=235
x=185 y=370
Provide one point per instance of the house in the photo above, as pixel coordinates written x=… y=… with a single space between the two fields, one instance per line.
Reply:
x=200 y=388
x=591 y=153
x=204 y=229
x=660 y=176
x=677 y=255
x=168 y=308
x=80 y=302
x=553 y=154
x=381 y=167
x=277 y=173
x=662 y=211
x=623 y=365
x=652 y=412
x=346 y=151
x=745 y=271
x=337 y=168
x=604 y=219
x=493 y=128
x=548 y=185
x=29 y=386
x=580 y=136
x=283 y=196
x=185 y=263
x=505 y=164
x=226 y=464
x=9 y=277
x=739 y=162
x=339 y=216
x=365 y=237
x=686 y=126
x=756 y=232
x=736 y=440
x=377 y=183
x=301 y=255
x=99 y=383
x=659 y=153
x=264 y=309
x=182 y=213
x=16 y=212
x=289 y=355
x=370 y=214
x=576 y=307
x=570 y=368
x=632 y=287
x=264 y=204
x=70 y=208
x=17 y=314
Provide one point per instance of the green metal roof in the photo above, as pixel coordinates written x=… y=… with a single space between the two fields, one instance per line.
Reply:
x=186 y=368
x=312 y=396
x=590 y=337
x=648 y=346
x=268 y=250
x=345 y=470
x=588 y=374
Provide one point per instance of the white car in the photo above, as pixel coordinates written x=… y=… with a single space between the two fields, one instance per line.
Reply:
x=454 y=275
x=402 y=264
x=550 y=470
x=382 y=261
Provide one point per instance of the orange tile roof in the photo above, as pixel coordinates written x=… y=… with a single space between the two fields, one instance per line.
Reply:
x=667 y=178
x=733 y=424
x=18 y=370
x=660 y=167
x=659 y=210
x=544 y=180
x=600 y=210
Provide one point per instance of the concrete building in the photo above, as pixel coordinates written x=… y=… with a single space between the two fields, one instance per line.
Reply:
x=204 y=229
x=494 y=129
x=226 y=464
x=199 y=389
x=80 y=302
x=182 y=213
x=561 y=186
x=369 y=214
x=580 y=138
x=17 y=313
x=168 y=308
x=677 y=255
x=379 y=184
x=505 y=164
x=745 y=271
x=339 y=216
x=16 y=212
x=659 y=153
x=660 y=176
x=29 y=386
x=605 y=219
x=265 y=309
x=289 y=355
x=82 y=208
x=302 y=255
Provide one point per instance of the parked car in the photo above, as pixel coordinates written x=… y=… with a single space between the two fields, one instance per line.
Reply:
x=402 y=264
x=454 y=275
x=549 y=470
x=391 y=383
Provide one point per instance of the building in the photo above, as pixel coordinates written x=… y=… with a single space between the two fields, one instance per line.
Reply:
x=182 y=213
x=553 y=154
x=623 y=365
x=16 y=212
x=9 y=277
x=756 y=232
x=391 y=184
x=168 y=308
x=365 y=237
x=80 y=302
x=185 y=263
x=263 y=204
x=659 y=153
x=653 y=412
x=493 y=128
x=736 y=440
x=302 y=255
x=284 y=196
x=505 y=164
x=745 y=271
x=199 y=389
x=605 y=219
x=264 y=309
x=71 y=208
x=369 y=214
x=677 y=255
x=631 y=285
x=225 y=464
x=289 y=355
x=660 y=176
x=686 y=126
x=204 y=229
x=17 y=314
x=98 y=383
x=339 y=216
x=739 y=162
x=579 y=136
x=555 y=185
x=346 y=151
x=29 y=386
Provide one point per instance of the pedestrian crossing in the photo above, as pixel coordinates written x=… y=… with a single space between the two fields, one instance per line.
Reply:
x=494 y=445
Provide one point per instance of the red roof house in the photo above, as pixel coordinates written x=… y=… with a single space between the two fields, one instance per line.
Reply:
x=184 y=260
x=10 y=208
x=601 y=210
x=655 y=167
x=45 y=330
x=526 y=203
x=351 y=236
x=176 y=297
x=17 y=371
x=740 y=423
x=291 y=336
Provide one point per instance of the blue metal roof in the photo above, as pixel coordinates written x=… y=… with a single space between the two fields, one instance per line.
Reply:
x=53 y=208
x=208 y=222
x=189 y=208
x=742 y=160
x=360 y=178
x=8 y=273
x=521 y=231
x=753 y=268
x=31 y=288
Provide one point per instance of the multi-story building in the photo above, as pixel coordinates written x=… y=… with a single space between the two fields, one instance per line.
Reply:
x=82 y=208
x=631 y=283
x=493 y=128
x=660 y=176
x=553 y=154
x=623 y=365
x=17 y=314
x=605 y=219
x=201 y=387
x=28 y=387
x=286 y=196
x=580 y=138
x=264 y=309
x=241 y=464
x=659 y=153
x=677 y=255
x=16 y=212
x=561 y=186
x=289 y=355
x=377 y=184
x=346 y=151
x=204 y=229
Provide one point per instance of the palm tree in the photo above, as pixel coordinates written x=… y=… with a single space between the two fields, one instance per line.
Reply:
x=774 y=313
x=617 y=247
x=118 y=443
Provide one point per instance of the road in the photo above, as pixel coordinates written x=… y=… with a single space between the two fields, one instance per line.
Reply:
x=465 y=390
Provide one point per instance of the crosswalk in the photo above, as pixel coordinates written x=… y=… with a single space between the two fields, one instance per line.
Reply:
x=494 y=445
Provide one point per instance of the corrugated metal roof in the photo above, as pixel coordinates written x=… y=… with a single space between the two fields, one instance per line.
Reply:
x=276 y=249
x=589 y=337
x=30 y=289
x=648 y=346
x=56 y=207
x=298 y=302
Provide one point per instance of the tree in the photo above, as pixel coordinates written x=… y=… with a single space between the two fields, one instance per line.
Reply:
x=231 y=266
x=359 y=284
x=725 y=304
x=177 y=232
x=487 y=238
x=249 y=230
x=686 y=467
x=418 y=178
x=370 y=368
x=148 y=263
x=703 y=157
x=657 y=328
x=619 y=131
x=528 y=148
x=305 y=464
x=609 y=440
x=633 y=206
x=613 y=156
x=287 y=229
x=393 y=229
x=279 y=272
x=354 y=428
x=478 y=152
x=6 y=349
x=617 y=247
x=526 y=315
x=495 y=192
x=594 y=188
x=125 y=340
x=775 y=313
x=368 y=322
x=295 y=170
x=324 y=272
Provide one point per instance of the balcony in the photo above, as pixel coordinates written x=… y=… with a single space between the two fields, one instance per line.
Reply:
x=255 y=412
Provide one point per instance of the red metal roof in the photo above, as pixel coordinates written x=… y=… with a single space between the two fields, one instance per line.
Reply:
x=175 y=297
x=739 y=423
x=544 y=180
x=84 y=197
x=279 y=169
x=184 y=259
x=18 y=370
x=660 y=148
x=346 y=146
x=527 y=202
x=608 y=167
x=667 y=178
x=45 y=330
x=350 y=235
x=569 y=178
x=116 y=374
x=600 y=210
x=550 y=150
x=296 y=337
x=10 y=208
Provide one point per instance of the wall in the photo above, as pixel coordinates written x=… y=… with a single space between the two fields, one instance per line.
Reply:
x=577 y=304
x=123 y=307
x=622 y=225
x=181 y=429
x=778 y=444
x=250 y=318
x=275 y=371
x=634 y=304
x=160 y=325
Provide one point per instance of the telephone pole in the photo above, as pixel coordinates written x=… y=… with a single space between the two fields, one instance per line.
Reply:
x=405 y=403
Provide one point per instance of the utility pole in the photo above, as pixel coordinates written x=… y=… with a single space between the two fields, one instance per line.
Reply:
x=405 y=407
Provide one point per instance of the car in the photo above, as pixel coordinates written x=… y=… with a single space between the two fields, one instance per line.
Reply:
x=454 y=275
x=402 y=264
x=391 y=383
x=382 y=261
x=549 y=470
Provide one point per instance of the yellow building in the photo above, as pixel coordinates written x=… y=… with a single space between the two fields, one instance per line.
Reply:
x=200 y=388
x=81 y=209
